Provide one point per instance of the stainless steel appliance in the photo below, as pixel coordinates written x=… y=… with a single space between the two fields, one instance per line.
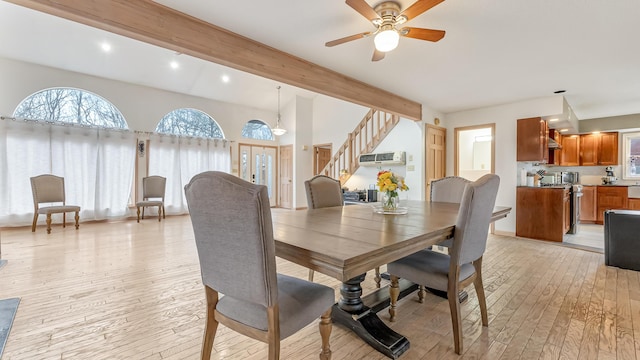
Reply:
x=576 y=196
x=569 y=177
x=611 y=178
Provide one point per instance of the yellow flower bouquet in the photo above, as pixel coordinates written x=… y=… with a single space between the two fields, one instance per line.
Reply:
x=389 y=184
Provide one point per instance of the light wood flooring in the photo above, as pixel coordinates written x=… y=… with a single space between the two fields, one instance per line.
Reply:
x=124 y=290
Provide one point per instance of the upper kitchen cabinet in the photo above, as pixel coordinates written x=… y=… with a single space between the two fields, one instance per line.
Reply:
x=533 y=140
x=599 y=149
x=570 y=153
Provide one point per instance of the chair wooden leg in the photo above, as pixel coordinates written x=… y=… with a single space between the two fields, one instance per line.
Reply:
x=35 y=221
x=64 y=220
x=48 y=223
x=159 y=213
x=456 y=321
x=377 y=278
x=143 y=213
x=482 y=300
x=421 y=293
x=394 y=293
x=163 y=213
x=325 y=334
x=311 y=272
x=211 y=325
x=273 y=336
x=77 y=218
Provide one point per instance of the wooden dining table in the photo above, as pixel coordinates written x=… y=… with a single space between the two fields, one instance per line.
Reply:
x=345 y=242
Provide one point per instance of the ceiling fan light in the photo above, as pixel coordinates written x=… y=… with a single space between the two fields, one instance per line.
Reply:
x=386 y=40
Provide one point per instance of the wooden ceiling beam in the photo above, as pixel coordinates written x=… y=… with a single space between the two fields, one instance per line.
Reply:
x=162 y=26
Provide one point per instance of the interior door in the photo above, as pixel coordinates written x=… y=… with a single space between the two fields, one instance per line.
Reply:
x=258 y=165
x=322 y=158
x=435 y=161
x=286 y=176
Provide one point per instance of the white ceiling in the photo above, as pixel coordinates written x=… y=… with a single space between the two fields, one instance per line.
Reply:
x=494 y=51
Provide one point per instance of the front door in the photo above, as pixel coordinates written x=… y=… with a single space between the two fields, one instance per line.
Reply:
x=258 y=165
x=436 y=156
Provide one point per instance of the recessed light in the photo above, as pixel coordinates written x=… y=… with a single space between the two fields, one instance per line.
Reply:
x=559 y=91
x=225 y=78
x=553 y=120
x=106 y=47
x=564 y=130
x=174 y=64
x=595 y=132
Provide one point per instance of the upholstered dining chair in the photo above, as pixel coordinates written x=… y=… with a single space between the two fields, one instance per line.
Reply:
x=322 y=191
x=448 y=189
x=233 y=231
x=463 y=265
x=49 y=189
x=153 y=188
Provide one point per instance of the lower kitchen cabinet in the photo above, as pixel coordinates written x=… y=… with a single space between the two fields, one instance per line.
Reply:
x=634 y=204
x=610 y=197
x=589 y=204
x=543 y=213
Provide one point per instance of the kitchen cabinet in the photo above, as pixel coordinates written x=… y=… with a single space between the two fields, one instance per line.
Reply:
x=555 y=154
x=589 y=204
x=570 y=153
x=543 y=213
x=532 y=140
x=634 y=204
x=599 y=149
x=610 y=197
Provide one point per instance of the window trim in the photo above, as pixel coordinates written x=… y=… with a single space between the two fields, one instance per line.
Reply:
x=626 y=149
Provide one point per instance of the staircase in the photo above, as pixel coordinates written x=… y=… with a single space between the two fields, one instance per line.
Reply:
x=367 y=135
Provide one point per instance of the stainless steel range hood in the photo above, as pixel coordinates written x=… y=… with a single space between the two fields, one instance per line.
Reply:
x=554 y=144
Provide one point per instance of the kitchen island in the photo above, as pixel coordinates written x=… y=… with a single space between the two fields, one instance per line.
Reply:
x=543 y=213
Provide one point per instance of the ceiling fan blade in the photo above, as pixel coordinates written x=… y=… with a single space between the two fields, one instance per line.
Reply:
x=422 y=34
x=347 y=39
x=419 y=7
x=363 y=8
x=377 y=55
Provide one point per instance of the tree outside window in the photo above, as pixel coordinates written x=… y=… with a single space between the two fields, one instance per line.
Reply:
x=73 y=106
x=190 y=122
x=256 y=129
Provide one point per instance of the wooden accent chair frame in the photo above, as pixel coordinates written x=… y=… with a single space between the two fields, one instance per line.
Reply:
x=463 y=265
x=153 y=188
x=49 y=188
x=233 y=231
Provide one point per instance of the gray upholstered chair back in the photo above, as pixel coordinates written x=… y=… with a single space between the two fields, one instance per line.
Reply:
x=234 y=236
x=448 y=189
x=474 y=217
x=323 y=191
x=47 y=189
x=153 y=187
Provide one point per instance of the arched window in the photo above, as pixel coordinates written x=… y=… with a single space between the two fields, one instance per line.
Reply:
x=189 y=122
x=256 y=129
x=73 y=106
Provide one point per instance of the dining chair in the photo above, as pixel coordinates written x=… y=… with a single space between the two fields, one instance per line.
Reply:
x=49 y=189
x=233 y=231
x=463 y=266
x=448 y=189
x=153 y=188
x=322 y=191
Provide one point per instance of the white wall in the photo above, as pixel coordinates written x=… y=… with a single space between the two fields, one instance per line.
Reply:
x=505 y=117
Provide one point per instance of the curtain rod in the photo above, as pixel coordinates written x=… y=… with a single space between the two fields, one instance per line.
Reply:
x=137 y=132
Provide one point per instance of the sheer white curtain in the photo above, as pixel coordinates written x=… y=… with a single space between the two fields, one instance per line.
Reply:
x=180 y=158
x=97 y=166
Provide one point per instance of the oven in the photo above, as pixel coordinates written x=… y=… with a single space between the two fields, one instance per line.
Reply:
x=576 y=195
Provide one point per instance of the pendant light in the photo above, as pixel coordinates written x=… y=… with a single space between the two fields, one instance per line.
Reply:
x=278 y=131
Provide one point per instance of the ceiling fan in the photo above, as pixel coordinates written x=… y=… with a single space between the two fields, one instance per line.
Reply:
x=386 y=16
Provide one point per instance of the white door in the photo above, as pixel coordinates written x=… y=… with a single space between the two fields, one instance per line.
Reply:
x=258 y=165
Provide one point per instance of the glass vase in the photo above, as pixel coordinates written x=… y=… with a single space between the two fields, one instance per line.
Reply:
x=390 y=200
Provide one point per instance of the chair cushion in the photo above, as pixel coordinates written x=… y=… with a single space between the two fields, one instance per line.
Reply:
x=428 y=268
x=300 y=303
x=149 y=203
x=58 y=209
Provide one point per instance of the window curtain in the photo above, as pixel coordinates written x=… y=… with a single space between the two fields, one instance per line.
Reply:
x=97 y=166
x=179 y=159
